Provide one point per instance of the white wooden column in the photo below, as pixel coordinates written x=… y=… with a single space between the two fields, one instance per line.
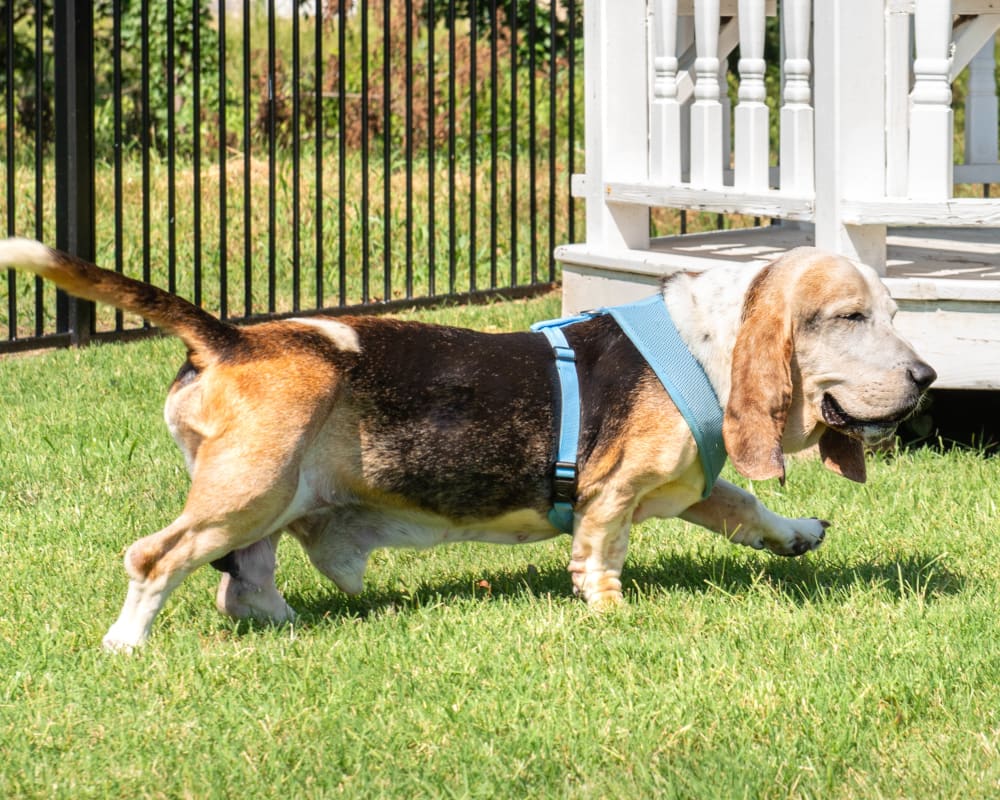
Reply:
x=706 y=112
x=930 y=169
x=898 y=55
x=795 y=157
x=617 y=118
x=665 y=120
x=849 y=87
x=981 y=109
x=752 y=150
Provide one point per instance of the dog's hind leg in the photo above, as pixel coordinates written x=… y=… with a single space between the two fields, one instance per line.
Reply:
x=338 y=543
x=247 y=588
x=217 y=519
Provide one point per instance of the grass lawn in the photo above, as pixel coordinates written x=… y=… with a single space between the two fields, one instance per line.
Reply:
x=867 y=669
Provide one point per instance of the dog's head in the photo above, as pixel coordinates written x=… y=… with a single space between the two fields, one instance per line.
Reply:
x=817 y=359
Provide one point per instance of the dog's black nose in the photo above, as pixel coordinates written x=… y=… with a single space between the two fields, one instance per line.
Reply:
x=922 y=374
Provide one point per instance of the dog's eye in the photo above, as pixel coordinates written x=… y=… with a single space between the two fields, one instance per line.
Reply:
x=856 y=316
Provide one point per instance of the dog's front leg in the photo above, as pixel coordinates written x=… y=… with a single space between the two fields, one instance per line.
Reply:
x=600 y=543
x=743 y=519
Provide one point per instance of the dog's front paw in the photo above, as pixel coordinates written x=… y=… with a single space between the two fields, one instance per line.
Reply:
x=605 y=601
x=601 y=590
x=798 y=536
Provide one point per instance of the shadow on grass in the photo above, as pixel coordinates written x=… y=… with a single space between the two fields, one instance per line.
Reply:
x=801 y=581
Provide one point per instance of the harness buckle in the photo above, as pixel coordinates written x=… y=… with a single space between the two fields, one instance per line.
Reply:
x=564 y=482
x=564 y=353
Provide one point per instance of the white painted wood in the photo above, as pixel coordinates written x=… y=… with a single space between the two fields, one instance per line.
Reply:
x=795 y=158
x=665 y=117
x=765 y=203
x=981 y=108
x=958 y=6
x=729 y=38
x=727 y=8
x=924 y=263
x=961 y=212
x=969 y=292
x=931 y=127
x=616 y=117
x=897 y=101
x=849 y=117
x=706 y=113
x=955 y=212
x=752 y=149
x=960 y=341
x=581 y=285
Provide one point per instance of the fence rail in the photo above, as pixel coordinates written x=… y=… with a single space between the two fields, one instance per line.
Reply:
x=369 y=155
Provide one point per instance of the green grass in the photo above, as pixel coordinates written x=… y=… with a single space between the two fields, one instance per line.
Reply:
x=867 y=669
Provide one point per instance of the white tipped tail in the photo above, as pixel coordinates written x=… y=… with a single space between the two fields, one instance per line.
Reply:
x=205 y=335
x=26 y=254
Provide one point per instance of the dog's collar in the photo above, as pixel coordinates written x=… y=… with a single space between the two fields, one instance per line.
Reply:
x=648 y=324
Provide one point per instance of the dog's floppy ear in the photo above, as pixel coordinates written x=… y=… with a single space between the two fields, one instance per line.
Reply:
x=843 y=455
x=761 y=393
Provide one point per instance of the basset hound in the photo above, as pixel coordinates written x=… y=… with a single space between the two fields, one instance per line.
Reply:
x=354 y=433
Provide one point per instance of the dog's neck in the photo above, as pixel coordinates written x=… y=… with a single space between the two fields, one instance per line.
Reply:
x=707 y=323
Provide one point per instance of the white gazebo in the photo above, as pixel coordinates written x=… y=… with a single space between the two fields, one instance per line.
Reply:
x=864 y=166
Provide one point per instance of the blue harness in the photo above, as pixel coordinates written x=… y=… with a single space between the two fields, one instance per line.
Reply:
x=648 y=325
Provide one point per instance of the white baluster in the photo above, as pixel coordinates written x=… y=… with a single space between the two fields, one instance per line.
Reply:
x=665 y=147
x=752 y=149
x=706 y=112
x=795 y=157
x=981 y=109
x=930 y=163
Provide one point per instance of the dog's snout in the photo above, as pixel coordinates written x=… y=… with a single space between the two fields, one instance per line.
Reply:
x=922 y=374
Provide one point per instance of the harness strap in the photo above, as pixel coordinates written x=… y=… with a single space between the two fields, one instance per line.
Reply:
x=648 y=324
x=561 y=513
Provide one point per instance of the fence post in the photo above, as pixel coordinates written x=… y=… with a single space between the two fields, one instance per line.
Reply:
x=74 y=168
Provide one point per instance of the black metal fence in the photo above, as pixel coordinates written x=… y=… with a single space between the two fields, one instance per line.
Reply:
x=264 y=161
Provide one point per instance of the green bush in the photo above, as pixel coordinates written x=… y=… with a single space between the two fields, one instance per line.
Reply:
x=164 y=81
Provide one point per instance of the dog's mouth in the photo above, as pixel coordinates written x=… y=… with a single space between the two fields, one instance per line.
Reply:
x=836 y=417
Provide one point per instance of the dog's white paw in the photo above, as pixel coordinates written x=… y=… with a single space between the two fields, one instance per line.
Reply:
x=117 y=640
x=783 y=536
x=797 y=536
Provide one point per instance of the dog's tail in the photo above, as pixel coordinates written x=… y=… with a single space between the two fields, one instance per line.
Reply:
x=205 y=336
